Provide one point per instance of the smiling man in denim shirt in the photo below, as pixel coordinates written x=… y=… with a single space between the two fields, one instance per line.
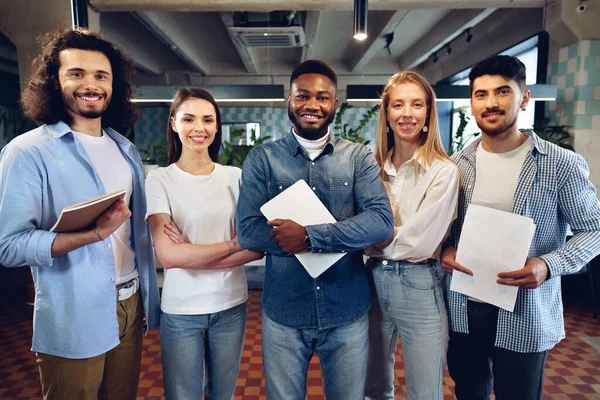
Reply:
x=329 y=313
x=88 y=316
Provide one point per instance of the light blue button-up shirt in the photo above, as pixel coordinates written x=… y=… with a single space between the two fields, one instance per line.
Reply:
x=41 y=172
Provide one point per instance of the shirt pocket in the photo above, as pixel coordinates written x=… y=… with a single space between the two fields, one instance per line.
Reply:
x=276 y=187
x=341 y=198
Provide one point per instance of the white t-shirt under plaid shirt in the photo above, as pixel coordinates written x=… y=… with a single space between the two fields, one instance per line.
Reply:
x=554 y=190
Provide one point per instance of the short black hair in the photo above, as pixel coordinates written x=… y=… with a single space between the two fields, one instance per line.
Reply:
x=510 y=68
x=314 y=67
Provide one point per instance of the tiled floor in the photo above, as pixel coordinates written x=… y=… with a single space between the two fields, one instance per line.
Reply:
x=573 y=369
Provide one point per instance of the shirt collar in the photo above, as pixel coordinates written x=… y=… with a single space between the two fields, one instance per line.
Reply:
x=296 y=148
x=390 y=168
x=538 y=144
x=61 y=128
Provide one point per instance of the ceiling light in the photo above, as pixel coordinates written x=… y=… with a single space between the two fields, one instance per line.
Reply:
x=221 y=93
x=360 y=19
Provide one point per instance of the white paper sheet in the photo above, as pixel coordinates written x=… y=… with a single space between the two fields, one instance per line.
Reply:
x=300 y=204
x=491 y=241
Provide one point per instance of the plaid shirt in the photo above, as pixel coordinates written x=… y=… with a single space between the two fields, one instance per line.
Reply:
x=553 y=188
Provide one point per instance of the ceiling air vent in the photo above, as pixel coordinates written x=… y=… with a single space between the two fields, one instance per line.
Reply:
x=290 y=36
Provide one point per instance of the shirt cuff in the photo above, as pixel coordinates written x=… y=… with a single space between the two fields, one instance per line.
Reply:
x=553 y=262
x=320 y=238
x=39 y=249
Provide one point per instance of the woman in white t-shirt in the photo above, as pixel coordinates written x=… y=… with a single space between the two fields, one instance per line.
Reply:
x=422 y=183
x=191 y=212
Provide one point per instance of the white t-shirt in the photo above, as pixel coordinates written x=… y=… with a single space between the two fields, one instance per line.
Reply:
x=496 y=178
x=203 y=208
x=115 y=174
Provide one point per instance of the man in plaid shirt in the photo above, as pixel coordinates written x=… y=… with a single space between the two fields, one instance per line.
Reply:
x=518 y=172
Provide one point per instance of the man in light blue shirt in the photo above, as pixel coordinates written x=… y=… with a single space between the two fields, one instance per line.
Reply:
x=516 y=171
x=94 y=286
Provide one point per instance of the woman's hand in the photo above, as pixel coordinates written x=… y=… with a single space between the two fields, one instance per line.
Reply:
x=173 y=233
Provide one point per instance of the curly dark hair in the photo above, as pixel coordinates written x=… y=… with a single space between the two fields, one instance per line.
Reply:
x=42 y=99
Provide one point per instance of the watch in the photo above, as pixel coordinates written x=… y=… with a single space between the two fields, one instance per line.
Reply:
x=307 y=243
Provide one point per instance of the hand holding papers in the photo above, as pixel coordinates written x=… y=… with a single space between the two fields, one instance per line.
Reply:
x=300 y=204
x=491 y=241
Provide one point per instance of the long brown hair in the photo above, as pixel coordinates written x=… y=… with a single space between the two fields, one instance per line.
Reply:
x=430 y=144
x=174 y=143
x=42 y=99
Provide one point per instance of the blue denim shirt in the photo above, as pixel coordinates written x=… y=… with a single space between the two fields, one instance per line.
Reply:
x=345 y=176
x=41 y=172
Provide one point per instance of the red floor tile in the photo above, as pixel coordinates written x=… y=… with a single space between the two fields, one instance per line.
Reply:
x=572 y=371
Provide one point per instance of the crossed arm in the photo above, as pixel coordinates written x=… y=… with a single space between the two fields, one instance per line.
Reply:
x=174 y=252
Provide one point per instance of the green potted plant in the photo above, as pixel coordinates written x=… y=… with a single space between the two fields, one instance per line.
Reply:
x=353 y=134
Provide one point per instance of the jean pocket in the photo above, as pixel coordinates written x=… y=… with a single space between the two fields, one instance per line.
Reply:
x=418 y=277
x=341 y=198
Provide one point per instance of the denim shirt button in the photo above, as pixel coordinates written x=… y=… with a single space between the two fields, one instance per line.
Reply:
x=312 y=163
x=314 y=188
x=280 y=187
x=318 y=287
x=345 y=183
x=384 y=262
x=320 y=251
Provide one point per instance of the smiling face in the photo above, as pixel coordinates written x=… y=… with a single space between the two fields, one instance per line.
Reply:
x=85 y=79
x=196 y=124
x=407 y=112
x=495 y=103
x=311 y=105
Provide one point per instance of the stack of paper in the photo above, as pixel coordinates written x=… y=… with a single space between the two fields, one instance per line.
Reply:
x=300 y=204
x=491 y=241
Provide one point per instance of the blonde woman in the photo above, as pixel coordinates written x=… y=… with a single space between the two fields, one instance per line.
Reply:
x=422 y=183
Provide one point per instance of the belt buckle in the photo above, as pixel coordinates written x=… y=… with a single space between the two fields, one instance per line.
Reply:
x=127 y=289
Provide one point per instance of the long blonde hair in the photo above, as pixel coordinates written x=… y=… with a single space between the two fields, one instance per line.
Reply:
x=430 y=144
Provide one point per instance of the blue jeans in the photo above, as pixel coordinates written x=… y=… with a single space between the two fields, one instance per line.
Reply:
x=411 y=304
x=342 y=351
x=186 y=339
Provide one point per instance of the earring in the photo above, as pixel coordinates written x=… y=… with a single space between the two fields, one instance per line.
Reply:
x=523 y=109
x=425 y=129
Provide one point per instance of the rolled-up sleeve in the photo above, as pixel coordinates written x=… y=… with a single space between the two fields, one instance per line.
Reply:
x=21 y=206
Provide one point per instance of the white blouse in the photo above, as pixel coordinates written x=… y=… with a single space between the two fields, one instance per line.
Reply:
x=424 y=206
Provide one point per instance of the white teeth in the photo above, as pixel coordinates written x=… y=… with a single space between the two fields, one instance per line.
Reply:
x=90 y=98
x=310 y=116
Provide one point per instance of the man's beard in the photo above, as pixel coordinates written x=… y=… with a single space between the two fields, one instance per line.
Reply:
x=70 y=103
x=500 y=129
x=311 y=133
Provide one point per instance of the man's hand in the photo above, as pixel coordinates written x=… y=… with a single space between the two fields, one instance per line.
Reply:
x=531 y=276
x=449 y=263
x=288 y=235
x=112 y=218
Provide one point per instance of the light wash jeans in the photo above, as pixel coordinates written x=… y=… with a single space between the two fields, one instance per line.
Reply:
x=342 y=351
x=411 y=304
x=186 y=340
